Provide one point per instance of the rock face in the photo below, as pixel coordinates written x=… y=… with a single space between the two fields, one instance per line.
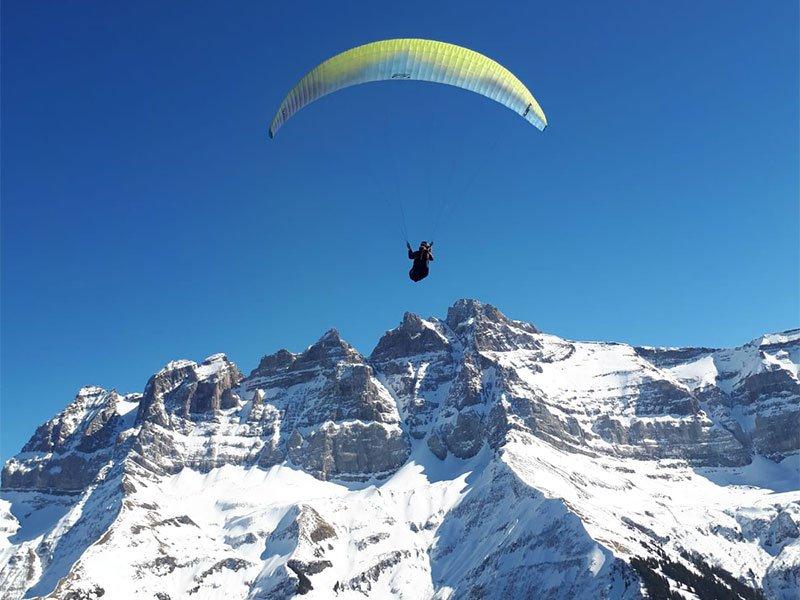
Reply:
x=67 y=453
x=471 y=456
x=186 y=390
x=752 y=390
x=332 y=415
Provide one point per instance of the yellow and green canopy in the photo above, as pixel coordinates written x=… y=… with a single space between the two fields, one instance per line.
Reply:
x=417 y=60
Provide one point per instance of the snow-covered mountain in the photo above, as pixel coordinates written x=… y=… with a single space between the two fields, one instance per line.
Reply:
x=470 y=457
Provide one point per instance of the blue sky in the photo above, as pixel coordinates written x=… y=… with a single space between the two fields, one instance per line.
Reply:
x=147 y=217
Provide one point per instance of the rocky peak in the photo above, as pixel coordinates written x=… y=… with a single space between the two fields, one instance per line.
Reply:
x=466 y=311
x=214 y=367
x=326 y=411
x=284 y=369
x=66 y=429
x=88 y=393
x=185 y=388
x=327 y=351
x=167 y=379
x=272 y=364
x=483 y=327
x=67 y=452
x=414 y=336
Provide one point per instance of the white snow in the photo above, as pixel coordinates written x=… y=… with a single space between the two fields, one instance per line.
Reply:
x=697 y=374
x=231 y=502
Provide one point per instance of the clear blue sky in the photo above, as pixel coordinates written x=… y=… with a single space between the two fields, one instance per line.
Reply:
x=147 y=217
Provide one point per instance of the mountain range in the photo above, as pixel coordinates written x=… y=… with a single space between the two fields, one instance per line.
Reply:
x=467 y=457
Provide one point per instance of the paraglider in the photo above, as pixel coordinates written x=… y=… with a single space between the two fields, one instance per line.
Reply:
x=421 y=258
x=410 y=59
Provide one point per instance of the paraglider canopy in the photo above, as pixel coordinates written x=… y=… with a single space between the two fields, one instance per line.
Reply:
x=412 y=59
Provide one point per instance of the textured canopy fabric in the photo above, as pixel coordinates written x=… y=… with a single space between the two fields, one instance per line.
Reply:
x=412 y=59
